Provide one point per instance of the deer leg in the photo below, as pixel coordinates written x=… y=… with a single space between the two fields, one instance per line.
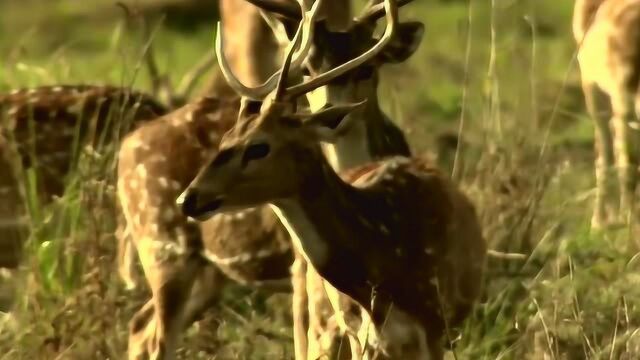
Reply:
x=170 y=272
x=300 y=315
x=604 y=163
x=126 y=255
x=205 y=292
x=626 y=147
x=347 y=321
x=321 y=333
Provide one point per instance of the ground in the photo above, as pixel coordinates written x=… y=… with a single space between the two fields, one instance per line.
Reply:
x=501 y=73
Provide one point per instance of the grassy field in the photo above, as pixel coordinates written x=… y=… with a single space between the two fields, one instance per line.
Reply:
x=500 y=72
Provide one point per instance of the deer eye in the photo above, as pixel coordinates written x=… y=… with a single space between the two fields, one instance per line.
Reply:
x=223 y=157
x=255 y=152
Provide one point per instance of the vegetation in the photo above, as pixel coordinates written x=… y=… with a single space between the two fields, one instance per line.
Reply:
x=500 y=73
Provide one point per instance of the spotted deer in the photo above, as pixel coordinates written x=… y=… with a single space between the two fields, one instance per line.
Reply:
x=394 y=235
x=39 y=128
x=608 y=37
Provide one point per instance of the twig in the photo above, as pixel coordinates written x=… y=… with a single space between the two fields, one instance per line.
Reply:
x=506 y=256
x=190 y=79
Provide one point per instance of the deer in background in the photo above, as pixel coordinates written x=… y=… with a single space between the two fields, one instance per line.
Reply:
x=39 y=129
x=396 y=235
x=40 y=125
x=608 y=37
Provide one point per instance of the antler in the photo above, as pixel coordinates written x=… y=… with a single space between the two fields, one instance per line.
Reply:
x=280 y=7
x=284 y=72
x=261 y=91
x=375 y=10
x=391 y=11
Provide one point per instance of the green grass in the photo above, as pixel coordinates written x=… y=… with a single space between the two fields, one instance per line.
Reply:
x=526 y=162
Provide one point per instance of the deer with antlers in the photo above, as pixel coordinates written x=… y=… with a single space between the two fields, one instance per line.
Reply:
x=372 y=138
x=396 y=236
x=608 y=36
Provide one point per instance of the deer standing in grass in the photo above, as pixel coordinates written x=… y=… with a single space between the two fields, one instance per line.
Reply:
x=396 y=236
x=44 y=128
x=608 y=37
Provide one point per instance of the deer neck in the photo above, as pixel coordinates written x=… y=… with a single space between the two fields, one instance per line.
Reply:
x=351 y=149
x=331 y=224
x=355 y=147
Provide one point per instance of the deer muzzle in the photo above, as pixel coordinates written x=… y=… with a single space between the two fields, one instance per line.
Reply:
x=198 y=205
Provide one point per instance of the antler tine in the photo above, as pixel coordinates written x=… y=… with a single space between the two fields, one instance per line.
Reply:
x=283 y=8
x=391 y=10
x=260 y=92
x=375 y=11
x=308 y=21
x=284 y=72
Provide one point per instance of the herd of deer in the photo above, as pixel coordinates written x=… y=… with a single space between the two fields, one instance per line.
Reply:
x=287 y=175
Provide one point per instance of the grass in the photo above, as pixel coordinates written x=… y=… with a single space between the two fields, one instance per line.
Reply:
x=526 y=161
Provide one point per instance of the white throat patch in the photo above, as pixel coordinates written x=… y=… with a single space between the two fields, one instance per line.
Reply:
x=303 y=233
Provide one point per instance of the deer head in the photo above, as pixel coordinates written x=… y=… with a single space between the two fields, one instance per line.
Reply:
x=375 y=135
x=268 y=144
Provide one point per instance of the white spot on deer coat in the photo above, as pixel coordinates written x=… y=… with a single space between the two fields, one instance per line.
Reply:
x=240 y=215
x=163 y=182
x=133 y=184
x=141 y=170
x=365 y=222
x=175 y=185
x=168 y=214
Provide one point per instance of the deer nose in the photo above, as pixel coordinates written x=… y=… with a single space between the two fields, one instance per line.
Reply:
x=188 y=203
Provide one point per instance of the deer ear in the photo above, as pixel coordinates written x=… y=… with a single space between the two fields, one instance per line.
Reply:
x=403 y=44
x=331 y=122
